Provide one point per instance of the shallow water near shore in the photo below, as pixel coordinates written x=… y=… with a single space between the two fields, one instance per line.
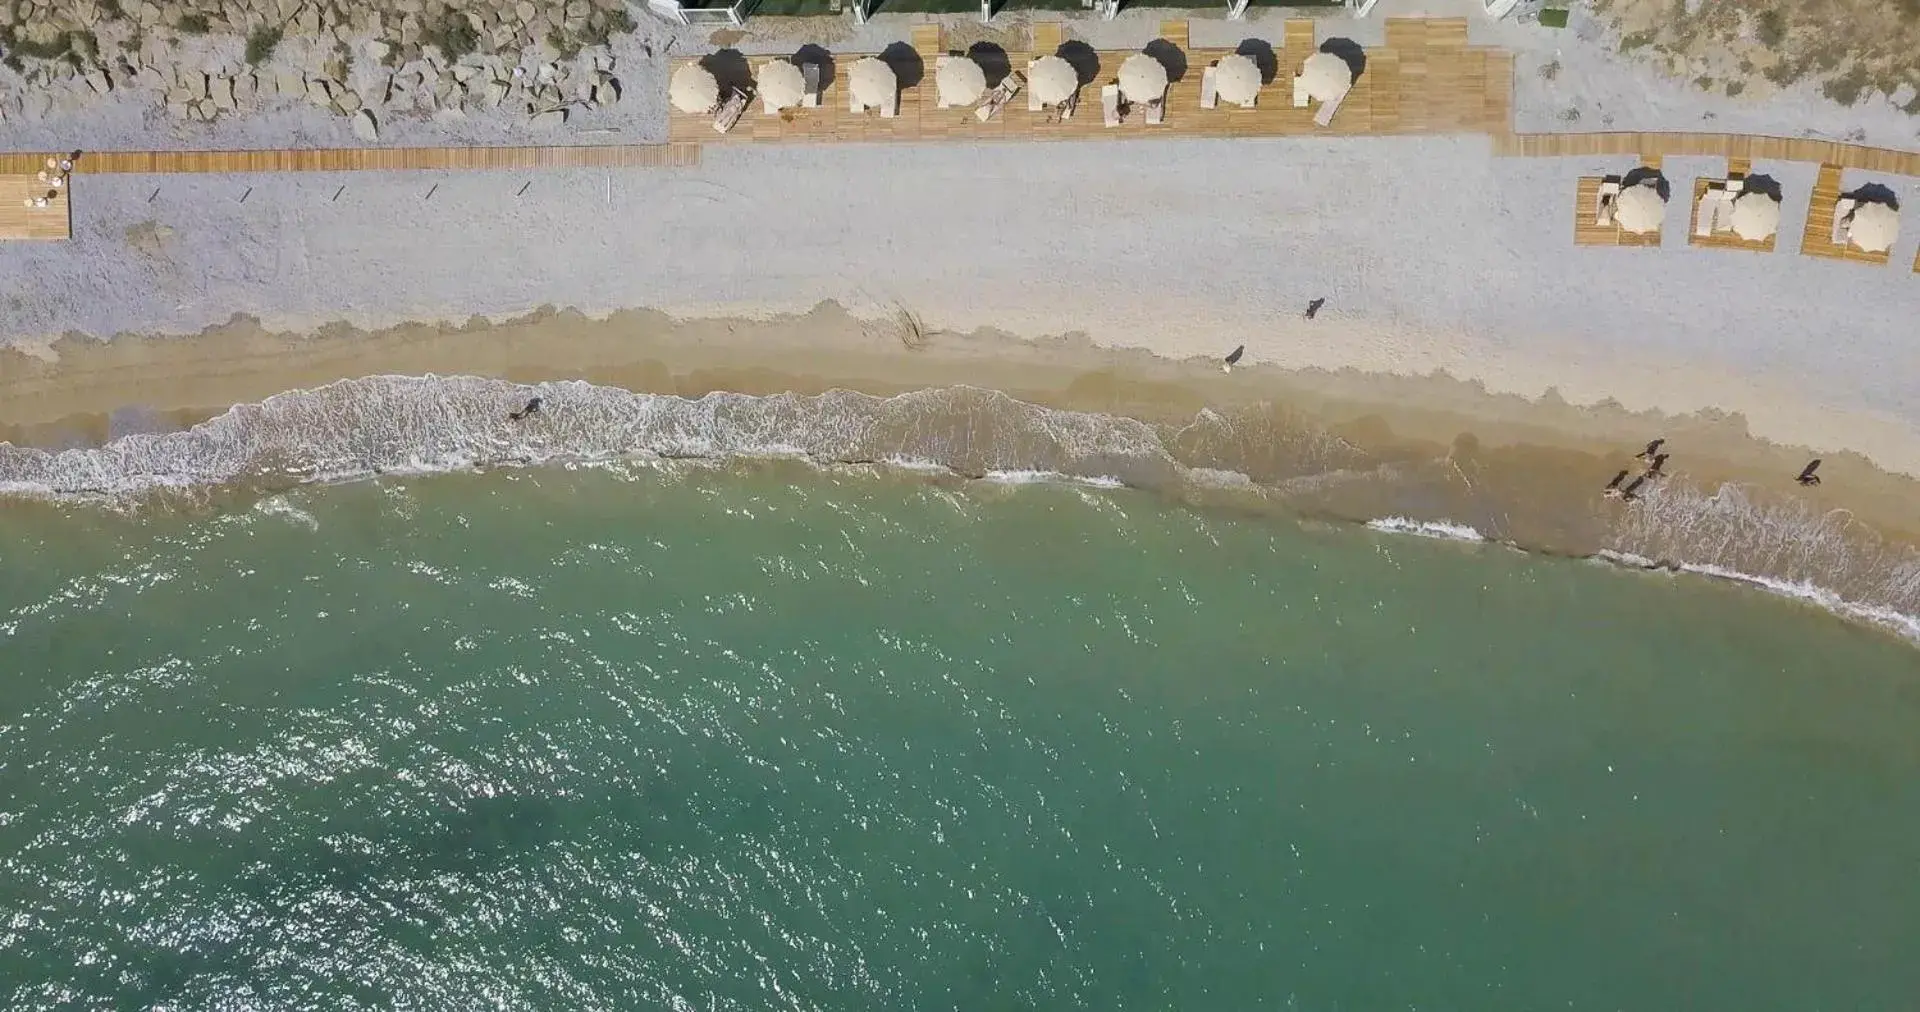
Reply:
x=766 y=736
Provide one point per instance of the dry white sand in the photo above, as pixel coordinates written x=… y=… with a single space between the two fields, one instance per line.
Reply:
x=1434 y=256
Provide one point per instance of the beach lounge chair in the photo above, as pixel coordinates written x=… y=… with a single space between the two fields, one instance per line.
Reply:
x=1110 y=104
x=1842 y=219
x=1209 y=91
x=1157 y=110
x=1723 y=213
x=891 y=108
x=1707 y=216
x=998 y=98
x=730 y=111
x=1603 y=200
x=1300 y=96
x=811 y=73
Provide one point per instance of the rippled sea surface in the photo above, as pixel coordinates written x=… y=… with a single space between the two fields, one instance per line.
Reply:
x=634 y=737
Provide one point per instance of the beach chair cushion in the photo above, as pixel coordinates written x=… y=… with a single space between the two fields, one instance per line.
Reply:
x=1300 y=97
x=1110 y=104
x=1209 y=93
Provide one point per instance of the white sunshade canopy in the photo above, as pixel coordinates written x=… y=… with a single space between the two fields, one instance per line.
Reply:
x=1142 y=78
x=1237 y=79
x=1640 y=209
x=873 y=82
x=1326 y=77
x=782 y=85
x=1053 y=80
x=960 y=81
x=693 y=90
x=1756 y=216
x=1874 y=228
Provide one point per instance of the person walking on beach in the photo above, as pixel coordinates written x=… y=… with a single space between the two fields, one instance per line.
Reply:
x=1652 y=450
x=1612 y=490
x=1657 y=468
x=1233 y=358
x=532 y=408
x=1313 y=308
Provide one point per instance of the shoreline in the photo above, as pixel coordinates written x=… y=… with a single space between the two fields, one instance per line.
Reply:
x=1339 y=446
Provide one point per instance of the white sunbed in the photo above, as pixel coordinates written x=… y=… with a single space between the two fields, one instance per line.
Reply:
x=1209 y=92
x=730 y=111
x=1706 y=217
x=1603 y=201
x=1842 y=219
x=1300 y=96
x=1157 y=110
x=1110 y=104
x=1001 y=94
x=1325 y=116
x=1723 y=213
x=811 y=73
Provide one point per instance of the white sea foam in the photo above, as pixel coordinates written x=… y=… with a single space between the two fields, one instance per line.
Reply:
x=1439 y=529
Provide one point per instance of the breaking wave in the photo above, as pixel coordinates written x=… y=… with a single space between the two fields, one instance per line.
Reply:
x=394 y=424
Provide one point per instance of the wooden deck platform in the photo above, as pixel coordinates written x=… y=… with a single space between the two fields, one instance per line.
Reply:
x=1443 y=88
x=1586 y=232
x=1777 y=149
x=1737 y=168
x=1818 y=240
x=17 y=221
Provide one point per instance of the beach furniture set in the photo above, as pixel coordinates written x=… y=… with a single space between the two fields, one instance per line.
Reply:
x=53 y=183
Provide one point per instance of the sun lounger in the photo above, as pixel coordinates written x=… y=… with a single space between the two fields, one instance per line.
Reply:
x=1110 y=104
x=1157 y=110
x=1300 y=96
x=1706 y=218
x=730 y=111
x=1209 y=93
x=891 y=108
x=1325 y=116
x=1842 y=219
x=811 y=73
x=1067 y=107
x=1001 y=94
x=1723 y=213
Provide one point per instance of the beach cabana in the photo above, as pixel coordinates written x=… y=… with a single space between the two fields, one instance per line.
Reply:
x=871 y=84
x=958 y=80
x=694 y=90
x=1756 y=216
x=1143 y=79
x=782 y=86
x=1639 y=209
x=1051 y=81
x=1236 y=79
x=1871 y=226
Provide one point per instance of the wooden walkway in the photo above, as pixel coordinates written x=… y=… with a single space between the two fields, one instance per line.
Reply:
x=1780 y=149
x=628 y=156
x=1423 y=81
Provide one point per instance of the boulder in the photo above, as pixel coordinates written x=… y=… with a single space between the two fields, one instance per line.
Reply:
x=496 y=92
x=547 y=120
x=151 y=79
x=222 y=94
x=365 y=126
x=606 y=92
x=525 y=11
x=320 y=91
x=290 y=82
x=378 y=50
x=348 y=101
x=97 y=80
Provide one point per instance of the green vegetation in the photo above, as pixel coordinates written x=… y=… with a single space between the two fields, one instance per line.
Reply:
x=1635 y=41
x=451 y=34
x=1735 y=88
x=1771 y=28
x=1549 y=71
x=261 y=42
x=194 y=24
x=1846 y=88
x=1553 y=17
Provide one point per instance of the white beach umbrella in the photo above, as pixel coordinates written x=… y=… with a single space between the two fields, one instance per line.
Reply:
x=872 y=81
x=1237 y=79
x=1142 y=78
x=1326 y=77
x=782 y=85
x=1640 y=209
x=960 y=81
x=1756 y=216
x=693 y=90
x=1053 y=80
x=1875 y=227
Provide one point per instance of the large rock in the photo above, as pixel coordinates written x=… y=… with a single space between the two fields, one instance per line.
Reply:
x=496 y=92
x=348 y=101
x=606 y=92
x=97 y=80
x=290 y=82
x=365 y=126
x=222 y=94
x=526 y=11
x=547 y=120
x=320 y=92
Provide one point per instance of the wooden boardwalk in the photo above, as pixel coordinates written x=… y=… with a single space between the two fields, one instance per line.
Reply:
x=18 y=221
x=626 y=156
x=1779 y=149
x=1818 y=240
x=1430 y=83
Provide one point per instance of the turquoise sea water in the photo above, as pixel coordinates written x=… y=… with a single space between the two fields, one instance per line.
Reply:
x=642 y=737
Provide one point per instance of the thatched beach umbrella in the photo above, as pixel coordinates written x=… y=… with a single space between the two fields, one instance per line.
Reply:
x=1874 y=228
x=782 y=85
x=1142 y=78
x=1756 y=216
x=960 y=81
x=1053 y=80
x=1237 y=79
x=694 y=90
x=1640 y=209
x=1326 y=77
x=873 y=82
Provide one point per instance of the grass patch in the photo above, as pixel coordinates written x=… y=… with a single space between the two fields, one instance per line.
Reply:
x=1636 y=41
x=451 y=34
x=111 y=10
x=194 y=24
x=261 y=42
x=1771 y=28
x=1703 y=82
x=1846 y=88
x=1553 y=17
x=1549 y=71
x=1735 y=88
